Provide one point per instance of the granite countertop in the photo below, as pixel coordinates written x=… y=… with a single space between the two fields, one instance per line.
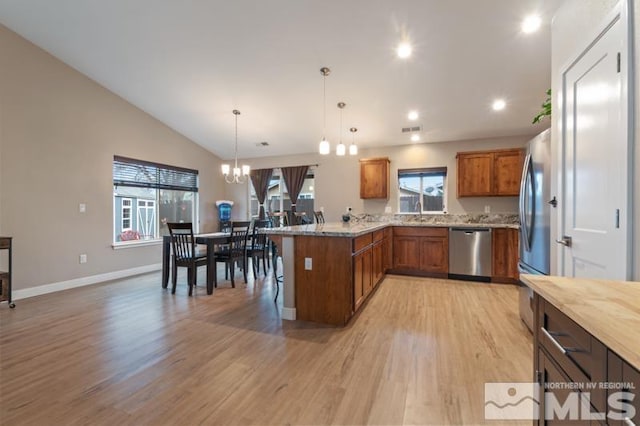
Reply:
x=329 y=229
x=458 y=225
x=608 y=310
x=355 y=229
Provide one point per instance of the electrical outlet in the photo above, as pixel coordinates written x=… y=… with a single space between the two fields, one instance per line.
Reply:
x=83 y=258
x=348 y=209
x=308 y=263
x=82 y=207
x=487 y=209
x=322 y=209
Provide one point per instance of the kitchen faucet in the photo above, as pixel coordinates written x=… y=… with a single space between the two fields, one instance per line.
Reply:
x=419 y=207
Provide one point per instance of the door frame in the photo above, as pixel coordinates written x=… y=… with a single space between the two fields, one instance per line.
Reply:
x=622 y=12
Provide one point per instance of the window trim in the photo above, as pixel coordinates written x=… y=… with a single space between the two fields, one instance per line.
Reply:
x=158 y=186
x=277 y=172
x=122 y=209
x=421 y=172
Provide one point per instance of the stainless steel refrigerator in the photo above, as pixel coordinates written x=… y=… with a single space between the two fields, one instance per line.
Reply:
x=535 y=211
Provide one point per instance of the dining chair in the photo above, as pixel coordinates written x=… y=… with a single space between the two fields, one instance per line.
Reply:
x=236 y=251
x=280 y=219
x=185 y=254
x=259 y=247
x=300 y=218
x=319 y=216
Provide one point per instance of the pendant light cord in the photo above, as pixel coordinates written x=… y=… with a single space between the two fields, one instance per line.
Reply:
x=236 y=150
x=324 y=102
x=341 y=125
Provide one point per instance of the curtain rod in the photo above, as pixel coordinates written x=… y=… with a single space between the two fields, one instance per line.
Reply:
x=280 y=167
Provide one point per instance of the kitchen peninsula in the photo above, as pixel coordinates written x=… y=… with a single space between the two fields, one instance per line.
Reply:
x=587 y=331
x=331 y=269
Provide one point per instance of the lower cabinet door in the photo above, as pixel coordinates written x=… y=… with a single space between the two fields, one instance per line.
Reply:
x=627 y=379
x=377 y=253
x=406 y=252
x=434 y=254
x=559 y=404
x=362 y=277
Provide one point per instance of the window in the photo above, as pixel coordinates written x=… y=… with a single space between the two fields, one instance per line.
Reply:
x=148 y=195
x=126 y=214
x=422 y=190
x=278 y=196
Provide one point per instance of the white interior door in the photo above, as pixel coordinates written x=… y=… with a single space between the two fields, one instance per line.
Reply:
x=595 y=147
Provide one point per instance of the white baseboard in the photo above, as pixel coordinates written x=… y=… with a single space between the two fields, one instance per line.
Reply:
x=289 y=314
x=81 y=282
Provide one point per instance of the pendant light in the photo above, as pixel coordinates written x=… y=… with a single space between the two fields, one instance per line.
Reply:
x=353 y=148
x=340 y=149
x=239 y=175
x=325 y=147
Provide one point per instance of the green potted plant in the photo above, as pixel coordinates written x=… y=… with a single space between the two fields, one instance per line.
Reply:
x=546 y=109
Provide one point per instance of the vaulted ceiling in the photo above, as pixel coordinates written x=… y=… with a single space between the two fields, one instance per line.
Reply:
x=190 y=63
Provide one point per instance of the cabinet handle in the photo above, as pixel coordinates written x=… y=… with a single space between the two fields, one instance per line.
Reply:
x=627 y=421
x=554 y=341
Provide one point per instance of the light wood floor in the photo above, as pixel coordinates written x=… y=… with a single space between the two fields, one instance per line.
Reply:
x=130 y=353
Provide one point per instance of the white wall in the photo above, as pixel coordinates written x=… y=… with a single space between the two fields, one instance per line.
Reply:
x=574 y=24
x=59 y=133
x=337 y=179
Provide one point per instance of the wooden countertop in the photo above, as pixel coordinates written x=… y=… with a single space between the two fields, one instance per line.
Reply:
x=608 y=310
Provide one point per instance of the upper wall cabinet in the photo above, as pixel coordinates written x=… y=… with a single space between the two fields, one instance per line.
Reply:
x=374 y=178
x=490 y=173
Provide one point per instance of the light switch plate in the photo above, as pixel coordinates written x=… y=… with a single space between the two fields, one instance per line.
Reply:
x=82 y=207
x=308 y=263
x=83 y=258
x=487 y=209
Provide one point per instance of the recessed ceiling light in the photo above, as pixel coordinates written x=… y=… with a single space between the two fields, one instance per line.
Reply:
x=404 y=50
x=415 y=137
x=413 y=115
x=499 y=104
x=531 y=24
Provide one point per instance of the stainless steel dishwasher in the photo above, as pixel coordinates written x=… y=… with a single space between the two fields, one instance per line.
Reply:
x=470 y=253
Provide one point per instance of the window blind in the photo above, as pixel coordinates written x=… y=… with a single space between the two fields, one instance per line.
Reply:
x=430 y=171
x=145 y=174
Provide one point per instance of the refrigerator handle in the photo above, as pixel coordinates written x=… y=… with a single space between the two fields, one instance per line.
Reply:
x=524 y=226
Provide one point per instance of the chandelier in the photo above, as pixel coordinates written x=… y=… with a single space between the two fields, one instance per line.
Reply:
x=239 y=175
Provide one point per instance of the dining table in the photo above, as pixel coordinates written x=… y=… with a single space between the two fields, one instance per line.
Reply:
x=210 y=241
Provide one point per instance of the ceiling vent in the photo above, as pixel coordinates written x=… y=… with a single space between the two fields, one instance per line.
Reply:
x=412 y=129
x=264 y=143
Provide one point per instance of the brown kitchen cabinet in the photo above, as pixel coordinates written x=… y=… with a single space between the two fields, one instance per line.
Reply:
x=504 y=263
x=421 y=251
x=489 y=173
x=361 y=277
x=619 y=371
x=6 y=276
x=374 y=178
x=341 y=278
x=387 y=249
x=564 y=352
x=368 y=264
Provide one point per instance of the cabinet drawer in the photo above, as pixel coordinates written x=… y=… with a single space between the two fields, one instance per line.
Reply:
x=378 y=235
x=415 y=231
x=4 y=286
x=361 y=242
x=580 y=355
